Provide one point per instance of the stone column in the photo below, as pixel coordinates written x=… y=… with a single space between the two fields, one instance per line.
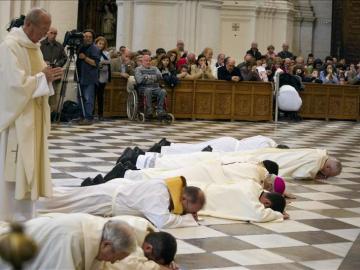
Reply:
x=5 y=17
x=303 y=28
x=322 y=28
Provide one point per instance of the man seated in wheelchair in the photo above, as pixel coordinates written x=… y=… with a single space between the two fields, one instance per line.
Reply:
x=147 y=80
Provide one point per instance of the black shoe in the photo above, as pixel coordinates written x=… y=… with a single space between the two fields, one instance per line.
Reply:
x=138 y=151
x=87 y=182
x=129 y=166
x=128 y=154
x=207 y=149
x=282 y=146
x=117 y=172
x=148 y=117
x=98 y=180
x=155 y=148
x=164 y=142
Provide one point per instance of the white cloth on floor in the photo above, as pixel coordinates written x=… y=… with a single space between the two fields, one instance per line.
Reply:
x=118 y=197
x=223 y=144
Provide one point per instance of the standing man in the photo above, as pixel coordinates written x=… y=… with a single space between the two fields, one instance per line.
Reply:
x=254 y=51
x=25 y=118
x=54 y=55
x=88 y=74
x=285 y=52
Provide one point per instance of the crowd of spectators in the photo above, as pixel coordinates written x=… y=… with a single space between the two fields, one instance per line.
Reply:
x=178 y=63
x=96 y=62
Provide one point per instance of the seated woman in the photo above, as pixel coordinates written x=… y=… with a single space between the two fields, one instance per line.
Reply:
x=201 y=70
x=329 y=76
x=208 y=53
x=184 y=72
x=168 y=71
x=271 y=52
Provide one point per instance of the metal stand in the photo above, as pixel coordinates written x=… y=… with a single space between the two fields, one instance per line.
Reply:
x=276 y=94
x=64 y=83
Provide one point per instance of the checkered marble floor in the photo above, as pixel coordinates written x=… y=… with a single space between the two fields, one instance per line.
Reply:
x=324 y=226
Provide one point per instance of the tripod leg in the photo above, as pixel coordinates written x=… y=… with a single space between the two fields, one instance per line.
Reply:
x=80 y=94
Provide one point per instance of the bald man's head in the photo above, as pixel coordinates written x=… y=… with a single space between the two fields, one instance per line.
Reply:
x=230 y=64
x=37 y=24
x=51 y=34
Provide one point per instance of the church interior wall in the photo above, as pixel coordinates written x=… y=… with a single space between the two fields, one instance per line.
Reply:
x=226 y=26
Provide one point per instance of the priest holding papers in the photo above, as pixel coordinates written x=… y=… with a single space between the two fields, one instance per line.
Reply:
x=25 y=118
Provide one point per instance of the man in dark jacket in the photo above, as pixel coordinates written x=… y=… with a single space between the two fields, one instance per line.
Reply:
x=254 y=51
x=229 y=72
x=55 y=56
x=88 y=71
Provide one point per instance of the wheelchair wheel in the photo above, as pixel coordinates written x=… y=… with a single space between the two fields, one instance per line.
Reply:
x=170 y=118
x=141 y=117
x=132 y=105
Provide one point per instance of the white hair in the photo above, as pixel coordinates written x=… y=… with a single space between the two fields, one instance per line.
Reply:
x=34 y=15
x=121 y=235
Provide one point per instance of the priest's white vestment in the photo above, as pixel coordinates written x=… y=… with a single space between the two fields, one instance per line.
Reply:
x=232 y=191
x=303 y=163
x=223 y=144
x=149 y=199
x=24 y=127
x=71 y=241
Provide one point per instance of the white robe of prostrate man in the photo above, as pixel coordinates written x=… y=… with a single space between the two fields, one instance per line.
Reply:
x=71 y=241
x=219 y=145
x=24 y=127
x=223 y=144
x=149 y=199
x=303 y=163
x=232 y=190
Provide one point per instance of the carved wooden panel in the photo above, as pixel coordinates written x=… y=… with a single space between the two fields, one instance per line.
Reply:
x=203 y=103
x=262 y=105
x=183 y=103
x=242 y=106
x=222 y=104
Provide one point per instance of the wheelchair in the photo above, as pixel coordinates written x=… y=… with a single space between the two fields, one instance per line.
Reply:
x=136 y=104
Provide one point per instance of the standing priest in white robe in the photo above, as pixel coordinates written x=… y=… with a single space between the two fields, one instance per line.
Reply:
x=78 y=241
x=24 y=118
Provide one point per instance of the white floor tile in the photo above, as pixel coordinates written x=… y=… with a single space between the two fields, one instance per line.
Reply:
x=312 y=205
x=319 y=196
x=186 y=248
x=348 y=234
x=303 y=214
x=270 y=240
x=340 y=249
x=287 y=226
x=323 y=264
x=194 y=232
x=252 y=257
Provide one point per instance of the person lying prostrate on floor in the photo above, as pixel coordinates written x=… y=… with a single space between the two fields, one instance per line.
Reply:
x=302 y=163
x=222 y=144
x=77 y=241
x=213 y=179
x=156 y=253
x=166 y=203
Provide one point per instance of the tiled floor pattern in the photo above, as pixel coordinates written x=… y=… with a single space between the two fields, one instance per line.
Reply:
x=323 y=232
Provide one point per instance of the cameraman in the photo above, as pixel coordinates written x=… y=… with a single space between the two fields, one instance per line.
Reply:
x=88 y=72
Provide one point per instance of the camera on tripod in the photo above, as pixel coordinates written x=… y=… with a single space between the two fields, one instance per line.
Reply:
x=73 y=39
